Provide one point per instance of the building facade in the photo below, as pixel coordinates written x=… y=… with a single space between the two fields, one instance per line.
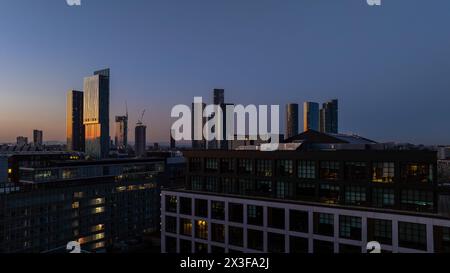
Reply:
x=121 y=130
x=100 y=204
x=74 y=121
x=38 y=137
x=140 y=139
x=324 y=196
x=311 y=116
x=96 y=114
x=291 y=120
x=329 y=117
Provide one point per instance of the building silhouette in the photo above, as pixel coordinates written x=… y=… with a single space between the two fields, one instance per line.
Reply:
x=140 y=139
x=74 y=121
x=329 y=118
x=38 y=137
x=311 y=114
x=291 y=120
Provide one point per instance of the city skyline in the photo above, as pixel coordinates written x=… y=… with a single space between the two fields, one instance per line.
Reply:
x=389 y=75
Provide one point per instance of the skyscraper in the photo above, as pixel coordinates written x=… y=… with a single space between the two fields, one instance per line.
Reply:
x=96 y=114
x=38 y=137
x=219 y=96
x=198 y=122
x=22 y=141
x=140 y=142
x=220 y=129
x=310 y=116
x=121 y=137
x=74 y=121
x=291 y=120
x=329 y=117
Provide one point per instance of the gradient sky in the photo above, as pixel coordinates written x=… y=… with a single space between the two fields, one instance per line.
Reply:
x=389 y=66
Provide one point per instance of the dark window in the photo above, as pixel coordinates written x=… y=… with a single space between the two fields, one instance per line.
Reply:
x=171 y=224
x=246 y=186
x=417 y=173
x=275 y=218
x=350 y=227
x=343 y=248
x=275 y=243
x=229 y=185
x=218 y=210
x=306 y=169
x=417 y=200
x=383 y=198
x=235 y=236
x=255 y=239
x=197 y=183
x=217 y=233
x=212 y=165
x=201 y=229
x=355 y=195
x=201 y=208
x=195 y=164
x=329 y=170
x=383 y=172
x=212 y=184
x=201 y=248
x=227 y=165
x=323 y=247
x=324 y=224
x=285 y=167
x=412 y=235
x=245 y=166
x=236 y=213
x=171 y=203
x=185 y=206
x=171 y=245
x=217 y=249
x=264 y=188
x=356 y=171
x=380 y=231
x=283 y=189
x=306 y=191
x=298 y=244
x=441 y=239
x=185 y=246
x=185 y=227
x=264 y=168
x=255 y=215
x=298 y=221
x=329 y=193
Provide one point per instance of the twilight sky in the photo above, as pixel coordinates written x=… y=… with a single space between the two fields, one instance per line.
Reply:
x=389 y=66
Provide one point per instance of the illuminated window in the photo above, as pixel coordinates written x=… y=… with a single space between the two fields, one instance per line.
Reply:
x=98 y=210
x=383 y=172
x=96 y=228
x=201 y=229
x=75 y=205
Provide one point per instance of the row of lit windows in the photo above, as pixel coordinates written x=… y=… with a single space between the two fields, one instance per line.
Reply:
x=382 y=172
x=410 y=235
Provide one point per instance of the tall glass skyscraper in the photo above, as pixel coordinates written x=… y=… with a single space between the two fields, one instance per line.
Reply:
x=329 y=119
x=74 y=123
x=96 y=114
x=310 y=116
x=121 y=137
x=291 y=120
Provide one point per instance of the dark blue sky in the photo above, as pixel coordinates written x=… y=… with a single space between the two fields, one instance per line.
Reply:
x=389 y=66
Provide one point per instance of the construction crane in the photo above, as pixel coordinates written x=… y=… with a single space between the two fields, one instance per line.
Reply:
x=142 y=117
